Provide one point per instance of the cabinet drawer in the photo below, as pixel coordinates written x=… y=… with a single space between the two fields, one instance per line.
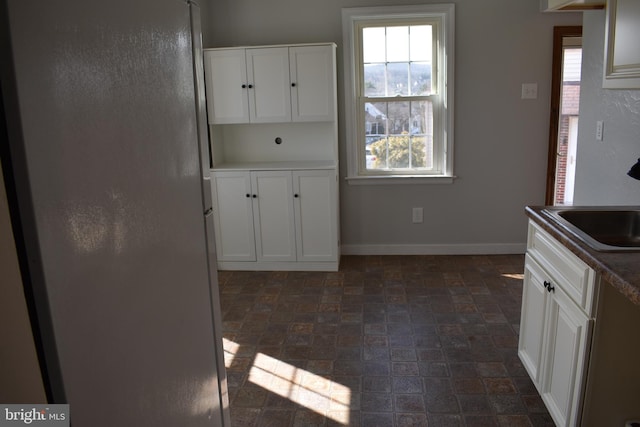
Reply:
x=570 y=272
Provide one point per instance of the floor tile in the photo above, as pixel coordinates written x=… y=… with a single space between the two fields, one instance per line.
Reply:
x=389 y=341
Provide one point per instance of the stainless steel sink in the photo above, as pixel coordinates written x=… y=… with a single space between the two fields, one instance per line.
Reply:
x=607 y=229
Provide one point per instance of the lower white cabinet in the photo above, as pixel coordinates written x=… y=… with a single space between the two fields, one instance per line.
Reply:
x=532 y=319
x=316 y=215
x=555 y=331
x=568 y=332
x=276 y=219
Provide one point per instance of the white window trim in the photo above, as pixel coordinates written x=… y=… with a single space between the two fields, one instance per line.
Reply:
x=350 y=16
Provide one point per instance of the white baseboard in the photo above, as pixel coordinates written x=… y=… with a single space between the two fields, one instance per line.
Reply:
x=278 y=266
x=457 y=249
x=446 y=249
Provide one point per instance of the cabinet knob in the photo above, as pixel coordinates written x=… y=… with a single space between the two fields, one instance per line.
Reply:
x=293 y=85
x=296 y=195
x=255 y=196
x=244 y=86
x=250 y=86
x=549 y=286
x=248 y=195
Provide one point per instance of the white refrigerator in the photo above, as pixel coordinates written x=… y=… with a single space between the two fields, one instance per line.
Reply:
x=108 y=165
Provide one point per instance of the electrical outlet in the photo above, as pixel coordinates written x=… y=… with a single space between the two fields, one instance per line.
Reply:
x=417 y=215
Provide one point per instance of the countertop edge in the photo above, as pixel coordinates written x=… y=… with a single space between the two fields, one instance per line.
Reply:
x=607 y=264
x=276 y=165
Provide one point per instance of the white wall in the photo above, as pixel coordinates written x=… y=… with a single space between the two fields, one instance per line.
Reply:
x=500 y=142
x=602 y=166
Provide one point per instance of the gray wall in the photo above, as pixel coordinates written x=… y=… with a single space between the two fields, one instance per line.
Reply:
x=500 y=139
x=20 y=380
x=601 y=166
x=205 y=13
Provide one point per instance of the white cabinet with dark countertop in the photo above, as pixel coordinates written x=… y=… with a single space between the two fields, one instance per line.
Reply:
x=556 y=323
x=579 y=322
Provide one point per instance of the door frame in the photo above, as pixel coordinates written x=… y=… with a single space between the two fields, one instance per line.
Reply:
x=559 y=33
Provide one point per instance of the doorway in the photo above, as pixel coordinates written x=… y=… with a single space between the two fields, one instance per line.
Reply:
x=563 y=124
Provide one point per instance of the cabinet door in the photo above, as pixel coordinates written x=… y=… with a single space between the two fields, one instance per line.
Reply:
x=565 y=358
x=622 y=56
x=312 y=83
x=532 y=320
x=273 y=216
x=226 y=86
x=233 y=216
x=315 y=202
x=269 y=94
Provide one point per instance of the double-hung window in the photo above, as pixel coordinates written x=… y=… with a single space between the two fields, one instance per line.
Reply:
x=399 y=92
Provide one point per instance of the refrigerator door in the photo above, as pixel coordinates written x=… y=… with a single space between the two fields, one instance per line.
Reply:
x=104 y=148
x=217 y=318
x=203 y=145
x=201 y=104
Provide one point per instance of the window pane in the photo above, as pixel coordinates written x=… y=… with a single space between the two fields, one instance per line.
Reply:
x=399 y=135
x=375 y=118
x=403 y=77
x=398 y=146
x=420 y=153
x=374 y=80
x=571 y=64
x=421 y=118
x=422 y=131
x=398 y=79
x=395 y=69
x=373 y=44
x=376 y=153
x=375 y=134
x=420 y=79
x=390 y=153
x=399 y=152
x=421 y=43
x=397 y=44
x=398 y=117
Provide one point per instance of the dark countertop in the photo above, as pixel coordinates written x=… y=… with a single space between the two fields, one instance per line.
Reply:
x=620 y=269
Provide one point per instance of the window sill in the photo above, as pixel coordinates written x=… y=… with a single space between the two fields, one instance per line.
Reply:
x=400 y=179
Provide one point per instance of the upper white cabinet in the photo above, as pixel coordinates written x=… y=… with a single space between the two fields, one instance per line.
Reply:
x=570 y=5
x=226 y=78
x=273 y=131
x=270 y=84
x=622 y=55
x=313 y=94
x=248 y=85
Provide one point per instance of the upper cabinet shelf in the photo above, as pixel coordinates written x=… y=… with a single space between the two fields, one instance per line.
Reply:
x=274 y=103
x=570 y=5
x=273 y=84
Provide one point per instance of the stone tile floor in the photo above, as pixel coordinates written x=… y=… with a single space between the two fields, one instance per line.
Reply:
x=386 y=341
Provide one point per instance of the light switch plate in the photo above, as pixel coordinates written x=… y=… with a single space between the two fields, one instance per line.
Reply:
x=418 y=216
x=599 y=129
x=529 y=90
